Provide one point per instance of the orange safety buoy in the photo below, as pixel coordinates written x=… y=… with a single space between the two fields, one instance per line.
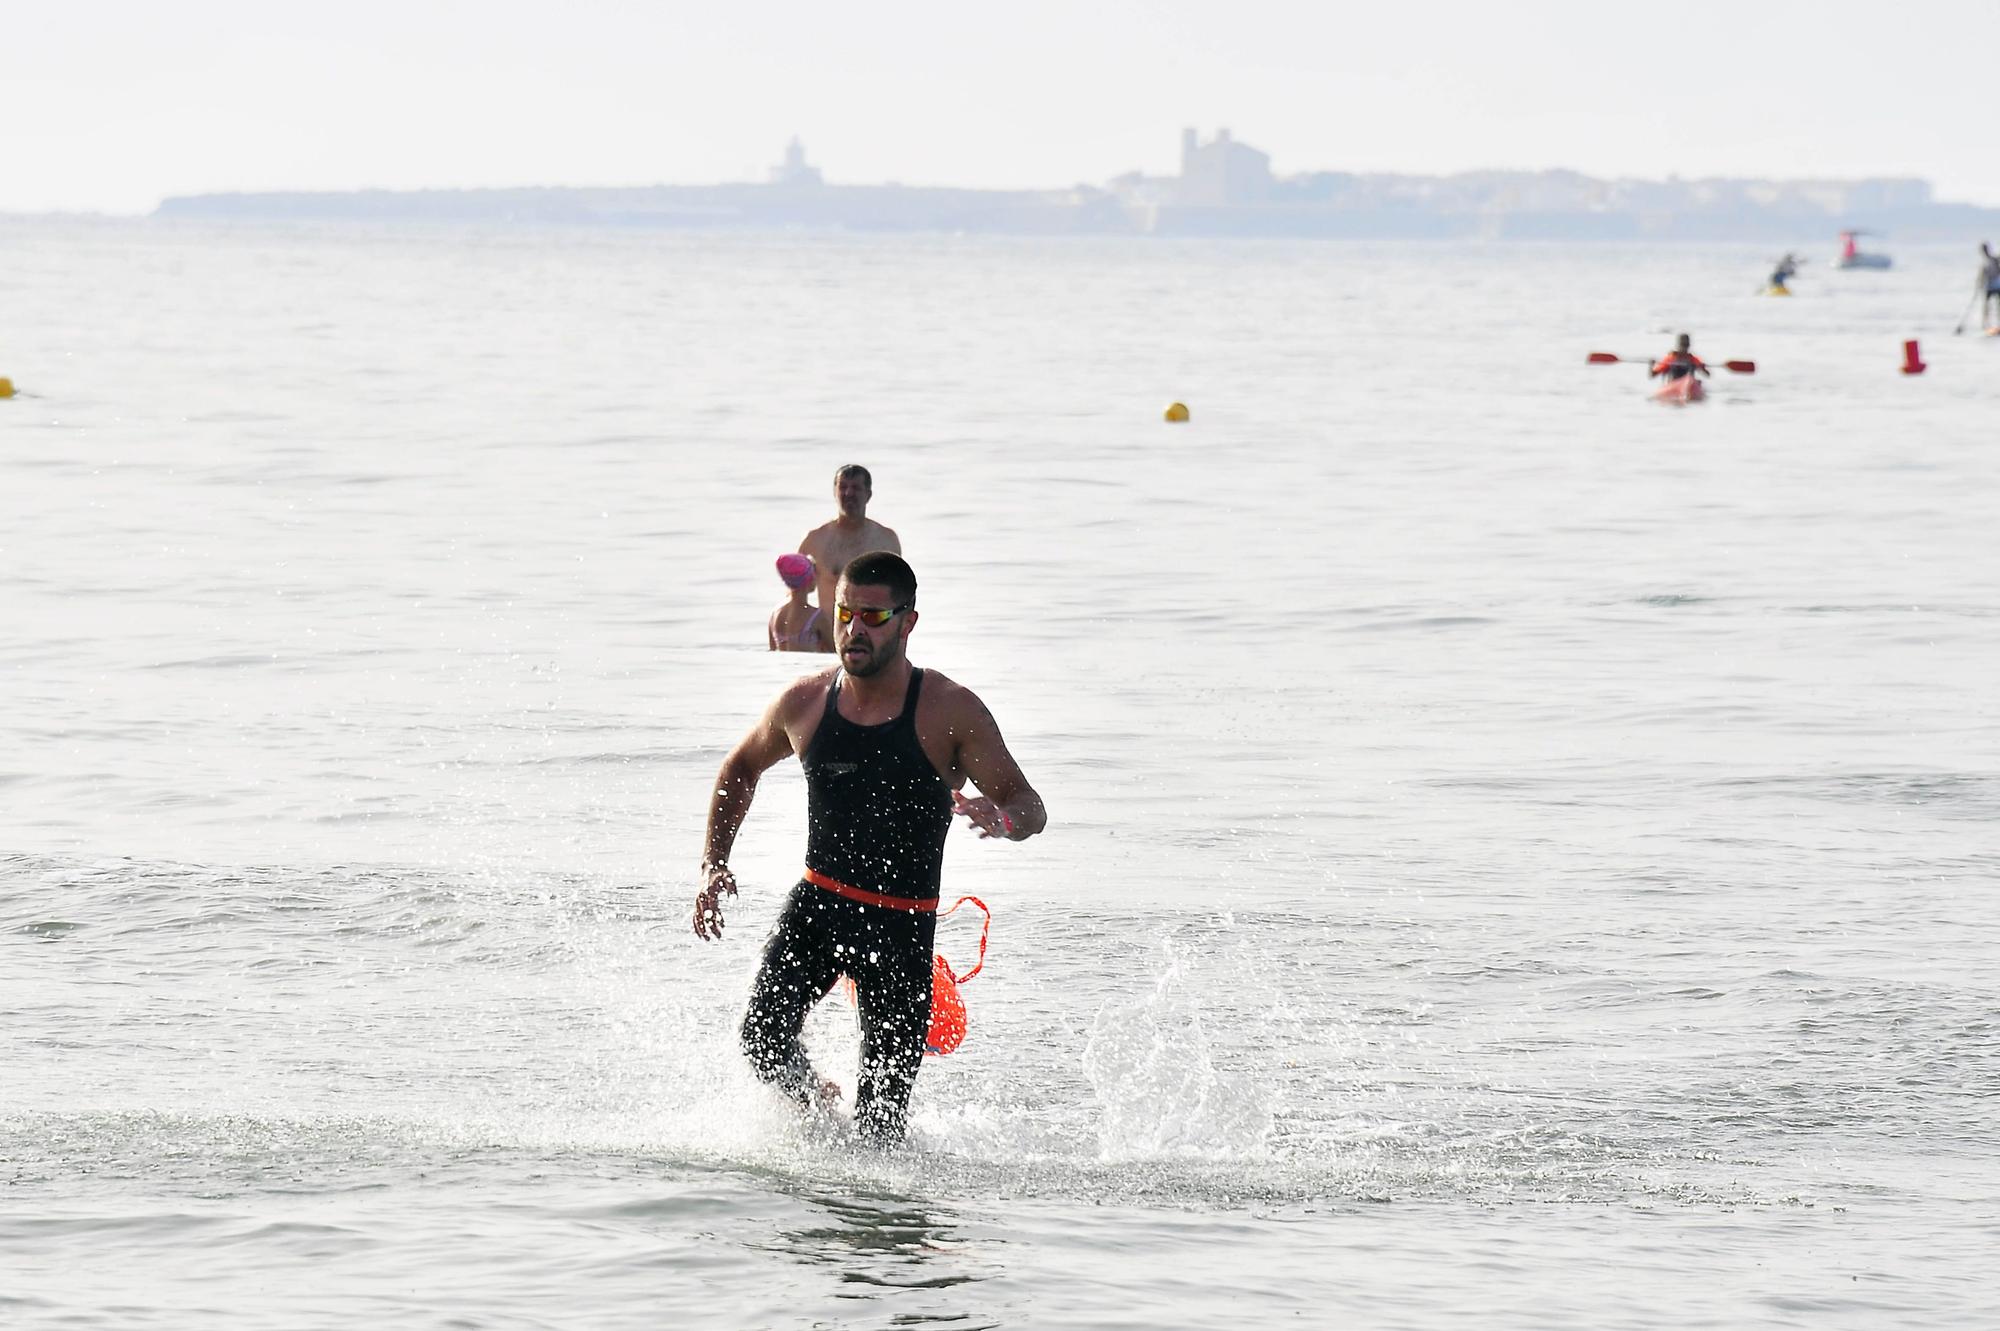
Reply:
x=947 y=1030
x=948 y=1024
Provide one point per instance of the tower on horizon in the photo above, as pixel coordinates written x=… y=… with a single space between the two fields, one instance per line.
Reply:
x=793 y=170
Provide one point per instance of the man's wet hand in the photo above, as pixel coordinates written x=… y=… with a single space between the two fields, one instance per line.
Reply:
x=708 y=901
x=988 y=818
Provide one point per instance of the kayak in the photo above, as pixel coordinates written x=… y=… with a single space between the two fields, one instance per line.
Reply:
x=1776 y=290
x=1862 y=261
x=1681 y=391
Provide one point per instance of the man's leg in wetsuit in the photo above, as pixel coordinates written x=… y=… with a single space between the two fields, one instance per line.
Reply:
x=894 y=993
x=798 y=968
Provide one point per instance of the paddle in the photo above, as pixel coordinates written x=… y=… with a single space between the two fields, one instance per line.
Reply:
x=1977 y=292
x=1606 y=358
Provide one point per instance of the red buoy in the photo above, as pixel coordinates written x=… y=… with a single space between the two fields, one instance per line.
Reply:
x=1912 y=362
x=947 y=1030
x=948 y=1021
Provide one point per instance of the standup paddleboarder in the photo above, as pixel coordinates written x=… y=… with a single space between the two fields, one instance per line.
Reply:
x=1989 y=283
x=885 y=747
x=1680 y=362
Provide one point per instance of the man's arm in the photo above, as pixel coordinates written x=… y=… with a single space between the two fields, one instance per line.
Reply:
x=1007 y=805
x=763 y=748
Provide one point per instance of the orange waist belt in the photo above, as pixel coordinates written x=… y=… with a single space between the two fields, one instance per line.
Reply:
x=867 y=898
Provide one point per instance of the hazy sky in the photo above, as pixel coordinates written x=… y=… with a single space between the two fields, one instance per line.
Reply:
x=111 y=105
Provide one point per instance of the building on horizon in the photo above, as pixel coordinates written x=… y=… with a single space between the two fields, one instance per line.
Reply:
x=1221 y=173
x=794 y=172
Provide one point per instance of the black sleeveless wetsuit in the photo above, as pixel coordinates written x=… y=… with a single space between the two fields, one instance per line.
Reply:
x=877 y=815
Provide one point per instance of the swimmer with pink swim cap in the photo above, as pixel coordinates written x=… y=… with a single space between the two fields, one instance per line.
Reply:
x=795 y=625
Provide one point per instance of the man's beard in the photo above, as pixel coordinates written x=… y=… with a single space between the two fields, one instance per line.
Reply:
x=874 y=659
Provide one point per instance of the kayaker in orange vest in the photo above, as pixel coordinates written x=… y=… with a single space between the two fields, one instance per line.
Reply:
x=1680 y=362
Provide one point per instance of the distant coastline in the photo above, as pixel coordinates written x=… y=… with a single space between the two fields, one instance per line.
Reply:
x=1224 y=188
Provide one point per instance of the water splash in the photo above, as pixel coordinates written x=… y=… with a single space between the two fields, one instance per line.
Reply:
x=1159 y=1088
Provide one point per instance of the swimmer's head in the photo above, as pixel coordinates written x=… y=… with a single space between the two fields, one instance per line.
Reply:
x=1683 y=342
x=795 y=571
x=877 y=586
x=880 y=568
x=853 y=487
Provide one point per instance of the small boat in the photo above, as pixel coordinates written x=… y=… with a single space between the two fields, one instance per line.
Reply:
x=1851 y=255
x=1679 y=392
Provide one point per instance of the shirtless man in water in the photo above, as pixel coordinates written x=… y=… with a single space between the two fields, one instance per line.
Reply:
x=833 y=545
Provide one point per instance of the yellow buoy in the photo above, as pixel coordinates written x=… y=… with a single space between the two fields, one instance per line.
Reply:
x=6 y=388
x=1177 y=411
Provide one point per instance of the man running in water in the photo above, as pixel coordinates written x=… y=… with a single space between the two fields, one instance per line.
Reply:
x=1680 y=362
x=885 y=748
x=832 y=544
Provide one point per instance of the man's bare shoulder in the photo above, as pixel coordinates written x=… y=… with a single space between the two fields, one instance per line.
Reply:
x=885 y=538
x=955 y=703
x=805 y=692
x=814 y=539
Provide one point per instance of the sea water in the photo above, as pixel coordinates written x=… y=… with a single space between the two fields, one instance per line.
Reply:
x=1519 y=855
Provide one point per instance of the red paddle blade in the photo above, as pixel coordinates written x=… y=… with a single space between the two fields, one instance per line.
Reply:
x=1741 y=366
x=1600 y=358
